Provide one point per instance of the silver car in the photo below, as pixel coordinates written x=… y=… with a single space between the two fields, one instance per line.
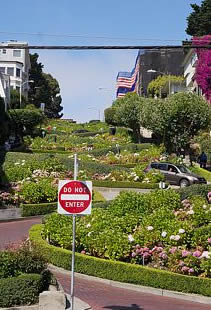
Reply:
x=176 y=174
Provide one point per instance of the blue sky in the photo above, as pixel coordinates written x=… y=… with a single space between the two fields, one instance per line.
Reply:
x=94 y=22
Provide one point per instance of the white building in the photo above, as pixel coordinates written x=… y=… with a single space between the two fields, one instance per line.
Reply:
x=16 y=64
x=5 y=88
x=189 y=65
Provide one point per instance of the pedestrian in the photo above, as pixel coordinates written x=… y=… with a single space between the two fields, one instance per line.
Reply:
x=202 y=160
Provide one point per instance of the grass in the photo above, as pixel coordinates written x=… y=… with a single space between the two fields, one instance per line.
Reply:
x=201 y=172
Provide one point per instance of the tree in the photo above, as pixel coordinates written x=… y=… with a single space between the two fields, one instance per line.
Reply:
x=199 y=21
x=128 y=113
x=157 y=86
x=177 y=119
x=45 y=89
x=25 y=120
x=15 y=99
x=4 y=122
x=203 y=66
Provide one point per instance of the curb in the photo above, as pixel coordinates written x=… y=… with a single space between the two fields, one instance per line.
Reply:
x=18 y=219
x=138 y=288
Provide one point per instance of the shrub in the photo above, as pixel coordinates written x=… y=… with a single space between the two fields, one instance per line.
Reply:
x=193 y=190
x=121 y=184
x=119 y=271
x=38 y=209
x=21 y=290
x=42 y=191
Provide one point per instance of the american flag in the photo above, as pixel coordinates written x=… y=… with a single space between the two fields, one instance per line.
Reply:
x=128 y=81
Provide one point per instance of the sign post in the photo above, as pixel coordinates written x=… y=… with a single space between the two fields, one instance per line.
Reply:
x=74 y=197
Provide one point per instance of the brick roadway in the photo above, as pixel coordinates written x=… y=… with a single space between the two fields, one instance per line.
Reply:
x=99 y=295
x=16 y=231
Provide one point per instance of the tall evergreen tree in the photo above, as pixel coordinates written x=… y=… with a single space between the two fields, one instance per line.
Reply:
x=45 y=89
x=199 y=21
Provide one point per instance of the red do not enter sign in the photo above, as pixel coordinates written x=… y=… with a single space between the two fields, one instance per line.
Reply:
x=74 y=197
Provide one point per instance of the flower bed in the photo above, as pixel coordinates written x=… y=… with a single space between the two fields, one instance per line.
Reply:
x=154 y=229
x=119 y=271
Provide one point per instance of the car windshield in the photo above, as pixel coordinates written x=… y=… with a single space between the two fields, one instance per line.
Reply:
x=183 y=169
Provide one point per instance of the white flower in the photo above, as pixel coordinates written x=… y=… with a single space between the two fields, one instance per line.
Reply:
x=204 y=207
x=164 y=234
x=190 y=212
x=177 y=237
x=205 y=254
x=130 y=238
x=181 y=231
x=88 y=225
x=136 y=154
x=172 y=237
x=17 y=163
x=149 y=228
x=89 y=233
x=136 y=178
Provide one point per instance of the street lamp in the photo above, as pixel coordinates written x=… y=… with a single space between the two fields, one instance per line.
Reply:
x=29 y=81
x=157 y=71
x=96 y=110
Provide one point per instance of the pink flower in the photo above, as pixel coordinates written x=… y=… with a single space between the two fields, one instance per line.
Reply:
x=197 y=253
x=173 y=250
x=209 y=240
x=83 y=252
x=185 y=253
x=133 y=254
x=191 y=270
x=181 y=263
x=185 y=269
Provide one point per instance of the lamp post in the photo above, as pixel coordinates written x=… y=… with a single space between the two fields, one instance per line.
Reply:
x=157 y=71
x=28 y=81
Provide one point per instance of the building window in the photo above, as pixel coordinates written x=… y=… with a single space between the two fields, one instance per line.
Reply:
x=17 y=53
x=18 y=88
x=4 y=51
x=10 y=71
x=2 y=69
x=18 y=72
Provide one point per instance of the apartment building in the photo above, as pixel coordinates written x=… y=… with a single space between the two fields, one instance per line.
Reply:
x=189 y=65
x=16 y=64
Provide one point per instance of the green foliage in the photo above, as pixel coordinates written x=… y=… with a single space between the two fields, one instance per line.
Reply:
x=119 y=271
x=161 y=83
x=38 y=209
x=177 y=119
x=194 y=190
x=45 y=89
x=21 y=118
x=21 y=290
x=199 y=21
x=4 y=130
x=123 y=184
x=128 y=113
x=202 y=172
x=109 y=116
x=36 y=192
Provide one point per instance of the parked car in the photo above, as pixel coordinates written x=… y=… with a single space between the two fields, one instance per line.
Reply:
x=176 y=174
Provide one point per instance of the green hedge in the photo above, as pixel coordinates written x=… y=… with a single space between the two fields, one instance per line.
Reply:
x=193 y=190
x=21 y=290
x=119 y=271
x=38 y=209
x=120 y=184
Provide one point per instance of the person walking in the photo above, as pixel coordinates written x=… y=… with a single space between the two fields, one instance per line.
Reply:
x=203 y=160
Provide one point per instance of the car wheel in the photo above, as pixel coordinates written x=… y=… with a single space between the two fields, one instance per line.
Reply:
x=184 y=183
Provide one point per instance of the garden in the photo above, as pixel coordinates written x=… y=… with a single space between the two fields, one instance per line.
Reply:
x=23 y=275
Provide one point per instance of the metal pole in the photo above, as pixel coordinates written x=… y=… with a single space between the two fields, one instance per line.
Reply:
x=73 y=241
x=20 y=94
x=169 y=85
